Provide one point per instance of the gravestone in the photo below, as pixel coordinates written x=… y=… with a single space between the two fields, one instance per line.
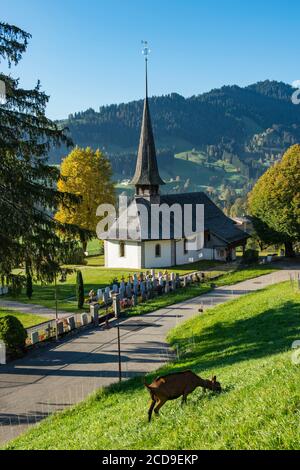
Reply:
x=116 y=305
x=60 y=328
x=135 y=287
x=122 y=292
x=2 y=353
x=96 y=318
x=34 y=337
x=94 y=308
x=173 y=281
x=128 y=290
x=71 y=323
x=105 y=297
x=143 y=290
x=99 y=294
x=84 y=319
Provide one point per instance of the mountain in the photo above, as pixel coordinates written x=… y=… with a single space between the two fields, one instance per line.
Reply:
x=247 y=128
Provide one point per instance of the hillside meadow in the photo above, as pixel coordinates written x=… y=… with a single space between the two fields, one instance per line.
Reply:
x=246 y=343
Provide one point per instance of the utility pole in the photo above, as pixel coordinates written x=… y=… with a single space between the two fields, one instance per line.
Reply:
x=119 y=353
x=56 y=308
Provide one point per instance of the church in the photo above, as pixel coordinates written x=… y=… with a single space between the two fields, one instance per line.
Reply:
x=217 y=239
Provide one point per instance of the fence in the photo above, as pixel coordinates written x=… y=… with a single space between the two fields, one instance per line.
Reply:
x=47 y=330
x=99 y=313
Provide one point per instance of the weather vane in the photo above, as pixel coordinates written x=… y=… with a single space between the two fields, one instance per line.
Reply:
x=146 y=51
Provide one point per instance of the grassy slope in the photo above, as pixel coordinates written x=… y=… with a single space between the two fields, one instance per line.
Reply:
x=26 y=319
x=247 y=344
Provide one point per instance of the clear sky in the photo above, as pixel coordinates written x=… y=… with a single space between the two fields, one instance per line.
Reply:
x=87 y=53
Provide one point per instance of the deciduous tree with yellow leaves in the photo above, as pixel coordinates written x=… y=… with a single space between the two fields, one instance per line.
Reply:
x=275 y=202
x=88 y=174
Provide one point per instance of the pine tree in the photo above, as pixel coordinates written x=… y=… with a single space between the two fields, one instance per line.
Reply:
x=79 y=289
x=28 y=194
x=29 y=287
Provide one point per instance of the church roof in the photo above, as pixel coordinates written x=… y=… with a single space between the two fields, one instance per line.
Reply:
x=215 y=221
x=146 y=172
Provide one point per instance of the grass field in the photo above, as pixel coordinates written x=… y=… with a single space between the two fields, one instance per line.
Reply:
x=247 y=344
x=26 y=319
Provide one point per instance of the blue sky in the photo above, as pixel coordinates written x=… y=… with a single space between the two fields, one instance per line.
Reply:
x=88 y=53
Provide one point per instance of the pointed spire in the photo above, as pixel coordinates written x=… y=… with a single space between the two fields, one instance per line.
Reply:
x=146 y=173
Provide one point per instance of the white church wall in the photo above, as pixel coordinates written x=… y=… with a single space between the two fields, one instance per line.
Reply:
x=132 y=252
x=151 y=261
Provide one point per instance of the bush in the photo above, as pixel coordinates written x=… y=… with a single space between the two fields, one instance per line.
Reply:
x=251 y=256
x=13 y=334
x=79 y=289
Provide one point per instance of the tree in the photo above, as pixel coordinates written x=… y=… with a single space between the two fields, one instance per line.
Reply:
x=28 y=194
x=29 y=288
x=275 y=202
x=79 y=289
x=87 y=174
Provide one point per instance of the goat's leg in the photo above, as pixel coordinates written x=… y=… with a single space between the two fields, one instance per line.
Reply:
x=184 y=398
x=152 y=405
x=160 y=403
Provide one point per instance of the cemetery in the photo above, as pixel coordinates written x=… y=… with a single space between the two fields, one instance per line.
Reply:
x=115 y=300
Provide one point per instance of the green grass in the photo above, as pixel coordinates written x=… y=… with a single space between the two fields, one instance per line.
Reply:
x=247 y=344
x=241 y=275
x=26 y=319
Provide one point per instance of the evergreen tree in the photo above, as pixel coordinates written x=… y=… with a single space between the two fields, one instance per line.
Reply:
x=79 y=289
x=29 y=287
x=28 y=194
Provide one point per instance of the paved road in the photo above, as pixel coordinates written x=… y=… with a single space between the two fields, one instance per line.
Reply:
x=32 y=309
x=56 y=377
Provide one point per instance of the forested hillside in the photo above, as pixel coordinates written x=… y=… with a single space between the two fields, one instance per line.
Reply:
x=227 y=137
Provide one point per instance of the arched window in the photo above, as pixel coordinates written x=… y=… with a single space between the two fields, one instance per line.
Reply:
x=122 y=249
x=157 y=251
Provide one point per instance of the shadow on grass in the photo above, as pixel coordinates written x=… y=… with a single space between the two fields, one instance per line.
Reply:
x=223 y=344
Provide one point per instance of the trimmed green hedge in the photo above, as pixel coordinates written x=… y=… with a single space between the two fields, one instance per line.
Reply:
x=13 y=334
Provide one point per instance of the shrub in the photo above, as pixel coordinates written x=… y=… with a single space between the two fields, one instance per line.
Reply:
x=79 y=289
x=251 y=256
x=13 y=334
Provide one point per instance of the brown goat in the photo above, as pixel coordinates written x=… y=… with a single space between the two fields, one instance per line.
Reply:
x=172 y=386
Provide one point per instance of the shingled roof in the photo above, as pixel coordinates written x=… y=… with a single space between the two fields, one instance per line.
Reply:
x=215 y=221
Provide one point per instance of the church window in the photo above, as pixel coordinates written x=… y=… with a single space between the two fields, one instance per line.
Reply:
x=158 y=250
x=122 y=249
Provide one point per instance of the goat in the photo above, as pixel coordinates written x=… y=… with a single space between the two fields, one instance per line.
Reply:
x=172 y=386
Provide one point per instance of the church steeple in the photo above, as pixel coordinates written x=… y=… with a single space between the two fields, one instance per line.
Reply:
x=146 y=178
